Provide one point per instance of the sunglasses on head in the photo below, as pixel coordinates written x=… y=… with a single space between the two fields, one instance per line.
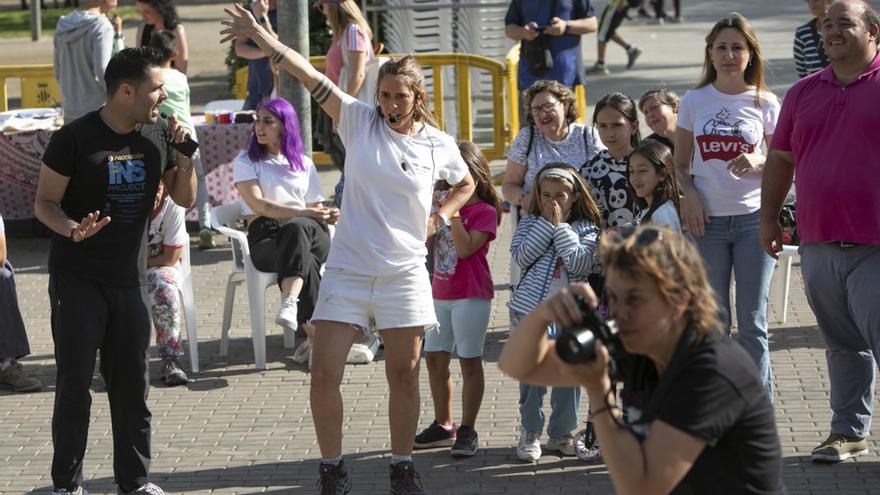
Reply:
x=645 y=237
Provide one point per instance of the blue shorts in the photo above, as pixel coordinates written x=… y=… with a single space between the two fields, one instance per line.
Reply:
x=463 y=324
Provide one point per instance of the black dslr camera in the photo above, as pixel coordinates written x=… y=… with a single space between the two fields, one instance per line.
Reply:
x=576 y=344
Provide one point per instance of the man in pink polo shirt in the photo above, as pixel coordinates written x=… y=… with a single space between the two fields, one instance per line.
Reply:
x=828 y=132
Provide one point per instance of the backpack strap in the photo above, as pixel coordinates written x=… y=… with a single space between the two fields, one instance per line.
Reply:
x=531 y=142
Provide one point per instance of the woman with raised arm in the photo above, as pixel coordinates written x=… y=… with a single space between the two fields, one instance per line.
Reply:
x=376 y=267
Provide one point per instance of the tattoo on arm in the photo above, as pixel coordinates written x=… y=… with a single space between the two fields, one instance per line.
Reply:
x=276 y=57
x=322 y=90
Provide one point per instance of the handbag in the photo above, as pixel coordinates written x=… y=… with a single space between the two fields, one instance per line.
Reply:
x=536 y=53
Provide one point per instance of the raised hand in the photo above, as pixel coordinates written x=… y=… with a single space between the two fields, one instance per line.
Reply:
x=241 y=24
x=89 y=226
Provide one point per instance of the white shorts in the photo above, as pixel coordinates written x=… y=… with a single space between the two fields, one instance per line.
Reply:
x=401 y=300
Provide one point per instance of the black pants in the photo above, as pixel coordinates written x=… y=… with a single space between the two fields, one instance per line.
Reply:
x=13 y=339
x=87 y=316
x=296 y=249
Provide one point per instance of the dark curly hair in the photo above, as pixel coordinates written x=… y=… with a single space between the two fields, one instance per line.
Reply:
x=166 y=9
x=560 y=91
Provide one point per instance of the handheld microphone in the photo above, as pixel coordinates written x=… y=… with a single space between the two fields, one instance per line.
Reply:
x=187 y=147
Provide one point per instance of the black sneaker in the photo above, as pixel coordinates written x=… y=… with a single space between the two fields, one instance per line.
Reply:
x=334 y=479
x=405 y=479
x=435 y=436
x=467 y=442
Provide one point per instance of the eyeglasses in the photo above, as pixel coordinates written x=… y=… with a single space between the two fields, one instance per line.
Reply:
x=545 y=108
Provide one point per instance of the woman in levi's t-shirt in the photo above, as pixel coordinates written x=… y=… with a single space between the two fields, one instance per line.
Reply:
x=463 y=292
x=723 y=127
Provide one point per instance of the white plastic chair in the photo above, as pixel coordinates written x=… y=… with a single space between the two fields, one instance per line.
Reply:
x=783 y=285
x=223 y=219
x=189 y=308
x=224 y=105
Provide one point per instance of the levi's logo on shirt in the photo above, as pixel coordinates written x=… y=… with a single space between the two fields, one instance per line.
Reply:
x=725 y=139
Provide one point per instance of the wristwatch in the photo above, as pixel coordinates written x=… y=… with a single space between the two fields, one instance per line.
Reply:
x=567 y=29
x=263 y=20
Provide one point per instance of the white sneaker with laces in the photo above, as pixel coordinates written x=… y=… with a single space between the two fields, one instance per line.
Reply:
x=564 y=445
x=287 y=314
x=529 y=447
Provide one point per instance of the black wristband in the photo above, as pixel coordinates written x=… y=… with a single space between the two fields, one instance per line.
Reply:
x=567 y=29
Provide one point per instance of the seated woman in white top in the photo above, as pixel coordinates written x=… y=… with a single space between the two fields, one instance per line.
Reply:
x=376 y=267
x=281 y=194
x=166 y=241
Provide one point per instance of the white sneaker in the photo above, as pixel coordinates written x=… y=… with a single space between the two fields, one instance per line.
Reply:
x=564 y=445
x=529 y=447
x=79 y=491
x=287 y=314
x=149 y=489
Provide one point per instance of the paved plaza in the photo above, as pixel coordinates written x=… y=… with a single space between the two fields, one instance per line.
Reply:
x=236 y=430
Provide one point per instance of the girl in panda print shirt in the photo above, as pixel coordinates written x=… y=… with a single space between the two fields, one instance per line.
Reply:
x=617 y=121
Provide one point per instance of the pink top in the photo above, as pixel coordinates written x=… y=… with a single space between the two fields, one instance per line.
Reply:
x=356 y=39
x=833 y=131
x=461 y=278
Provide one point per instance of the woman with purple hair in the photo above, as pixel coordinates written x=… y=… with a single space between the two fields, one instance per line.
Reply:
x=281 y=196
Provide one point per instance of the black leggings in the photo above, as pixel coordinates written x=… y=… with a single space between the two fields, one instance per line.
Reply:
x=296 y=249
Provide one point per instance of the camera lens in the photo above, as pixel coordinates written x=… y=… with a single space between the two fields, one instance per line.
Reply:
x=575 y=346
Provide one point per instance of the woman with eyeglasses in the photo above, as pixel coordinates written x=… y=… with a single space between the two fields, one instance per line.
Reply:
x=552 y=136
x=698 y=419
x=723 y=125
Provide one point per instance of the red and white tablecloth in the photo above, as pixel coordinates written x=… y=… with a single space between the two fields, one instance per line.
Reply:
x=20 y=159
x=219 y=144
x=21 y=156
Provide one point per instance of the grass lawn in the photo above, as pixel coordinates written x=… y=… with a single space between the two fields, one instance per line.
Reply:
x=17 y=23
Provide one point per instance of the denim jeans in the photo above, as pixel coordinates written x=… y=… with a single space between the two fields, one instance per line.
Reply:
x=564 y=402
x=731 y=243
x=841 y=287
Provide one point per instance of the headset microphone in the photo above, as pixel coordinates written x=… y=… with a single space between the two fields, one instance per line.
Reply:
x=393 y=120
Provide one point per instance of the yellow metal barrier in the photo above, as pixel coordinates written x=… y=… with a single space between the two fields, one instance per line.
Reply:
x=38 y=86
x=512 y=61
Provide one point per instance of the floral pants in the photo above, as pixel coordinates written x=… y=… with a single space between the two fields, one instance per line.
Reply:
x=162 y=286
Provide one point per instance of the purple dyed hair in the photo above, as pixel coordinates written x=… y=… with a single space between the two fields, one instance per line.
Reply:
x=291 y=144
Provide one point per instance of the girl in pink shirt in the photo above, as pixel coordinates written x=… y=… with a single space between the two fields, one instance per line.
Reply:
x=463 y=291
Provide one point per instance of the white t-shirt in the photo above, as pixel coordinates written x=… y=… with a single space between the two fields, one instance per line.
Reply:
x=389 y=182
x=277 y=182
x=570 y=150
x=725 y=126
x=167 y=228
x=664 y=215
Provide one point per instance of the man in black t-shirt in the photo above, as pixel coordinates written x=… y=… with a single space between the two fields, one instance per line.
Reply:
x=107 y=165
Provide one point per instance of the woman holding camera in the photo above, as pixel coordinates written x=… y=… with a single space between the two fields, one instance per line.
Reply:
x=697 y=416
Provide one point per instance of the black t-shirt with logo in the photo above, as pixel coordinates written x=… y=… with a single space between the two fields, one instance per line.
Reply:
x=712 y=391
x=118 y=175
